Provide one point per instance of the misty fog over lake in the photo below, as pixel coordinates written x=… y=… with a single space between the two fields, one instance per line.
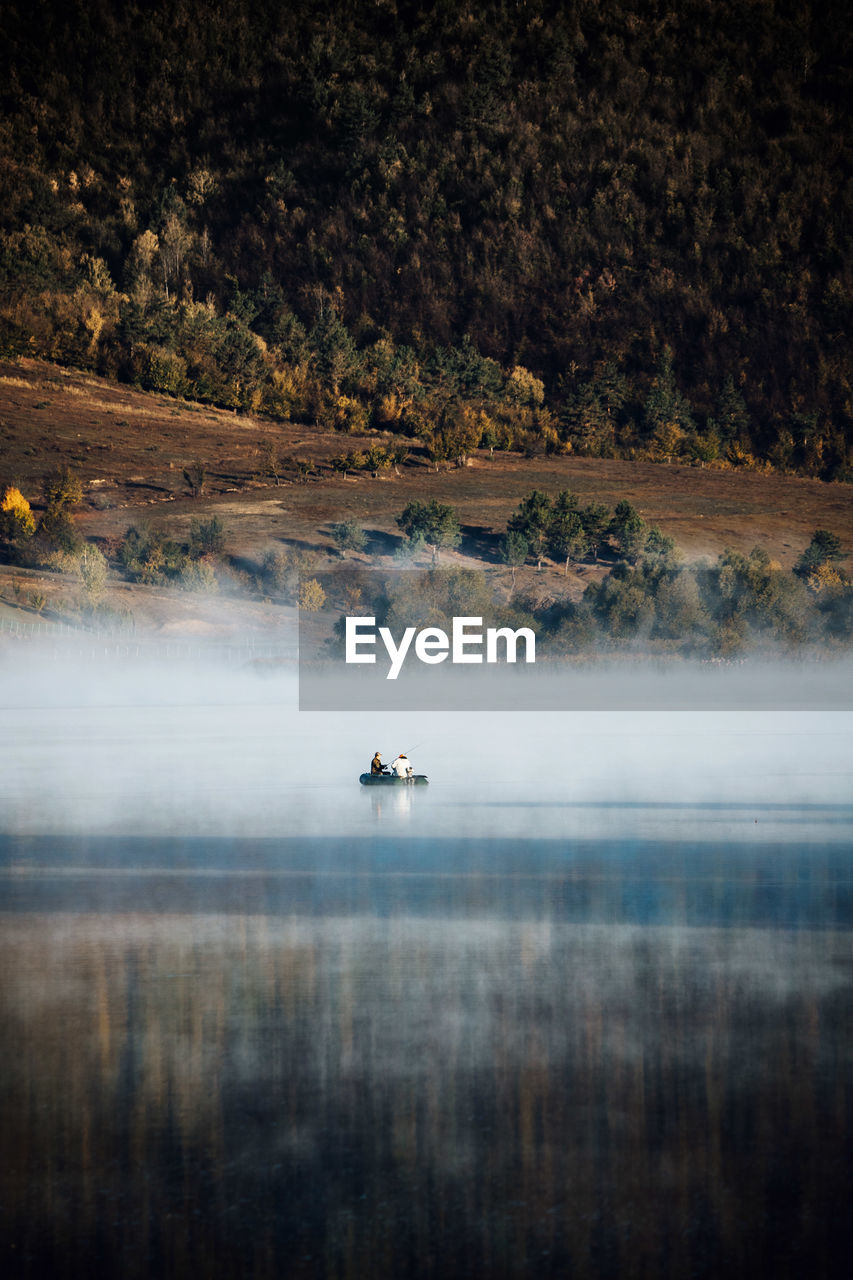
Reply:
x=583 y=1006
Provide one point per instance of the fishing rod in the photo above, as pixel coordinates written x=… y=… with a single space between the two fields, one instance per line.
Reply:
x=403 y=755
x=387 y=768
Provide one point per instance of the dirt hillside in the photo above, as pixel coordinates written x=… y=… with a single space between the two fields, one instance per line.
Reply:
x=131 y=448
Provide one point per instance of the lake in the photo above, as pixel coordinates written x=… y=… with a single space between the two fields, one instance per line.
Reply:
x=586 y=1010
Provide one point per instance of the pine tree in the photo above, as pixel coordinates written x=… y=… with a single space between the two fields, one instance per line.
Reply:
x=666 y=414
x=532 y=520
x=824 y=548
x=567 y=536
x=731 y=416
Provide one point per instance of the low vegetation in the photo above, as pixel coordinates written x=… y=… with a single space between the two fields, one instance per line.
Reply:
x=151 y=556
x=641 y=595
x=724 y=610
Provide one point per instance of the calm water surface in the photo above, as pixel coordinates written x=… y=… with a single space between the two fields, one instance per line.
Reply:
x=595 y=1041
x=259 y=1022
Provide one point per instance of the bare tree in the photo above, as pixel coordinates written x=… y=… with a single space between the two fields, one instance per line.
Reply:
x=175 y=242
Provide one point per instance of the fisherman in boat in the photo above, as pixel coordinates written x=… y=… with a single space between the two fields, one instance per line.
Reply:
x=401 y=767
x=400 y=770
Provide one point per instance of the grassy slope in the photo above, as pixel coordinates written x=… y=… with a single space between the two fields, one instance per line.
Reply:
x=130 y=449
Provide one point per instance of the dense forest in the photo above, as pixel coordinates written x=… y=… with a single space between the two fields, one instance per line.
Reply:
x=616 y=229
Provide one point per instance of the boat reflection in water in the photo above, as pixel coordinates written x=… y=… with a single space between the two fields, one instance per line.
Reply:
x=391 y=802
x=424 y=1086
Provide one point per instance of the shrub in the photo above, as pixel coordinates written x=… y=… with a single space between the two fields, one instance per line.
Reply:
x=207 y=537
x=272 y=464
x=825 y=578
x=388 y=411
x=274 y=570
x=514 y=550
x=62 y=489
x=311 y=595
x=660 y=549
x=17 y=522
x=149 y=556
x=195 y=477
x=198 y=575
x=56 y=561
x=380 y=459
x=165 y=372
x=92 y=568
x=623 y=604
x=350 y=416
x=409 y=549
x=679 y=612
x=58 y=532
x=349 y=536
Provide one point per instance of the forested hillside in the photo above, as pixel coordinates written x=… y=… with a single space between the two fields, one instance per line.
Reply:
x=620 y=229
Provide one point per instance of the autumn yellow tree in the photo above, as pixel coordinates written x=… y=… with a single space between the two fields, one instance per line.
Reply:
x=311 y=595
x=18 y=522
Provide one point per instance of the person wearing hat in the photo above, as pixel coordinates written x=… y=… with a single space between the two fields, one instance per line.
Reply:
x=401 y=766
x=376 y=765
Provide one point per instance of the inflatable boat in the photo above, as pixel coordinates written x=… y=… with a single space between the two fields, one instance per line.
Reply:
x=391 y=780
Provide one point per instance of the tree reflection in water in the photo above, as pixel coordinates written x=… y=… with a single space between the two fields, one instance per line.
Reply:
x=227 y=1095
